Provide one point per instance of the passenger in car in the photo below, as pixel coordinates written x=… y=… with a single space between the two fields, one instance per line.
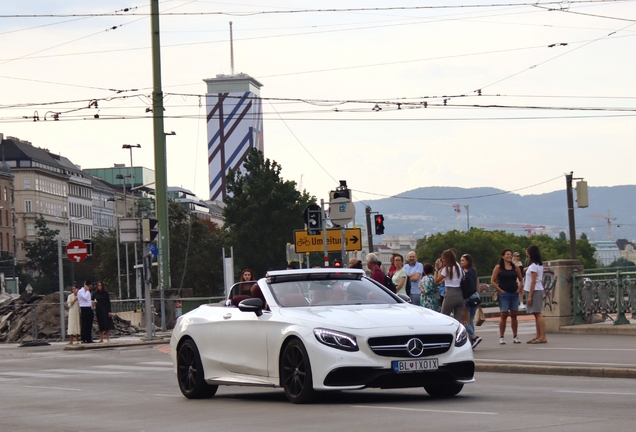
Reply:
x=247 y=275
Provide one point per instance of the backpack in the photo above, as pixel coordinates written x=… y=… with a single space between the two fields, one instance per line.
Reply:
x=389 y=284
x=407 y=285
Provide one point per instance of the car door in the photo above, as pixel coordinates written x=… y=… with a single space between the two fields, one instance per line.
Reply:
x=242 y=342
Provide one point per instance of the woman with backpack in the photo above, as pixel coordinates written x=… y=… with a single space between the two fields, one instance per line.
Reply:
x=399 y=277
x=506 y=279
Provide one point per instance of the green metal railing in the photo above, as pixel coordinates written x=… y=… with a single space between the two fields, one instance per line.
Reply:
x=604 y=291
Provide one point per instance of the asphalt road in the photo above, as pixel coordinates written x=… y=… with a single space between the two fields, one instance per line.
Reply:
x=134 y=389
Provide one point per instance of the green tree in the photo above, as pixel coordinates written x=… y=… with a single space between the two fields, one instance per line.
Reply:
x=43 y=257
x=195 y=253
x=622 y=262
x=262 y=211
x=485 y=247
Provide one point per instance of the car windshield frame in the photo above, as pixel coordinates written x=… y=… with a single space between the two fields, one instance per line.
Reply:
x=329 y=289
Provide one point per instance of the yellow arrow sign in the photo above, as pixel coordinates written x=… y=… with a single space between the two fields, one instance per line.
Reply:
x=304 y=242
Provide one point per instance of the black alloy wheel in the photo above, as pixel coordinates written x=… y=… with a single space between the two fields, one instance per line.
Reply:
x=295 y=373
x=446 y=390
x=190 y=373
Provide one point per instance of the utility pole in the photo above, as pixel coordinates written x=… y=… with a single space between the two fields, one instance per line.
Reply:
x=161 y=181
x=367 y=211
x=568 y=189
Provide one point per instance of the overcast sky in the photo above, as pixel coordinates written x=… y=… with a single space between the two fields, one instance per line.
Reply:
x=388 y=100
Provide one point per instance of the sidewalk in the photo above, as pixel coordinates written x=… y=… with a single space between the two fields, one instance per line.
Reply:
x=120 y=342
x=593 y=354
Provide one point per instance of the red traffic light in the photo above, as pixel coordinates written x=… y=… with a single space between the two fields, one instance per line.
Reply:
x=379 y=224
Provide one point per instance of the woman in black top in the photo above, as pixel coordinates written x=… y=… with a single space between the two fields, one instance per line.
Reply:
x=103 y=312
x=507 y=280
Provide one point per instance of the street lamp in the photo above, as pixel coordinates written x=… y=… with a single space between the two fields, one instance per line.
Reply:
x=114 y=200
x=130 y=147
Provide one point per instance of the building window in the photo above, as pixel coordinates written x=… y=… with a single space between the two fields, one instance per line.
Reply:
x=28 y=206
x=27 y=183
x=5 y=194
x=31 y=229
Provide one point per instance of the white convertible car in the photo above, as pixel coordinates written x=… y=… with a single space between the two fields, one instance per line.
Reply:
x=318 y=330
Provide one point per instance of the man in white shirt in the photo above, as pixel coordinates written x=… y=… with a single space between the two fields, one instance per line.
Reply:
x=414 y=270
x=85 y=301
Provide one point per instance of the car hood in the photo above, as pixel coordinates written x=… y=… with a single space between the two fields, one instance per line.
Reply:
x=368 y=316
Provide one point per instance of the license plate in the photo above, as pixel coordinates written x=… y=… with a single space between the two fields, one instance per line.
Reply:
x=400 y=366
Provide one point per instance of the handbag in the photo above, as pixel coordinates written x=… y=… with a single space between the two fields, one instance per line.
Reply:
x=495 y=296
x=467 y=287
x=480 y=318
x=473 y=300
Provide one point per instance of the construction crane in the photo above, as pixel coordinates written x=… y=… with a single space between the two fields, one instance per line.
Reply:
x=609 y=220
x=458 y=210
x=529 y=228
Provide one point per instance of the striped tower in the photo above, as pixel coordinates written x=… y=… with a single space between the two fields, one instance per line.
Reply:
x=235 y=125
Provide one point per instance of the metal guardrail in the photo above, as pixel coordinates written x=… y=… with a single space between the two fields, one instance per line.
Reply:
x=187 y=304
x=597 y=293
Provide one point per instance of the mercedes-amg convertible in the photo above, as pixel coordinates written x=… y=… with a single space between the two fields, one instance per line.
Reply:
x=318 y=330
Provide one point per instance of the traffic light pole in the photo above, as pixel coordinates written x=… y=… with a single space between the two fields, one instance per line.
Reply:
x=324 y=234
x=568 y=183
x=147 y=286
x=367 y=210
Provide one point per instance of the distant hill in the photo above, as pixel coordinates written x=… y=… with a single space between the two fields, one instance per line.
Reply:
x=421 y=211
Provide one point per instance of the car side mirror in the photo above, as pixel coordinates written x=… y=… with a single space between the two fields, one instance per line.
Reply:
x=406 y=298
x=252 y=305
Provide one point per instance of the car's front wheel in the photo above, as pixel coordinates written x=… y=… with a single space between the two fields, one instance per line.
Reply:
x=445 y=390
x=190 y=373
x=295 y=373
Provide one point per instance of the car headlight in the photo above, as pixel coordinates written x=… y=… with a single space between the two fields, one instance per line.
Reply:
x=461 y=336
x=336 y=339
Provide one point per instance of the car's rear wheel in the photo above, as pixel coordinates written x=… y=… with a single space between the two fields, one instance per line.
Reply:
x=445 y=390
x=190 y=373
x=295 y=373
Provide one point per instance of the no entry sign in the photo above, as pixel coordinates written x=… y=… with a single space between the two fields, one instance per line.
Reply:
x=77 y=251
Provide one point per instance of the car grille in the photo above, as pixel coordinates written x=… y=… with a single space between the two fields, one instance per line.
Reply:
x=398 y=346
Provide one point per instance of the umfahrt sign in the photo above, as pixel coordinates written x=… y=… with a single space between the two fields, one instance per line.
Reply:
x=305 y=242
x=77 y=251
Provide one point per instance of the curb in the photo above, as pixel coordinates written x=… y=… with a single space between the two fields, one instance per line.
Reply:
x=595 y=372
x=599 y=329
x=106 y=345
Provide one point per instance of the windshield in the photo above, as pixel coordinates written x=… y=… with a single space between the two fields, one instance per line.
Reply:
x=330 y=292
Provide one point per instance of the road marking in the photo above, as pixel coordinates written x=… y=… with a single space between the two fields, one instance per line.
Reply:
x=135 y=368
x=32 y=375
x=54 y=388
x=158 y=363
x=165 y=395
x=586 y=392
x=555 y=363
x=426 y=410
x=588 y=349
x=84 y=371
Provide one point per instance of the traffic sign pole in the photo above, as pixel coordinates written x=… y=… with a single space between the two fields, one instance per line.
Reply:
x=324 y=234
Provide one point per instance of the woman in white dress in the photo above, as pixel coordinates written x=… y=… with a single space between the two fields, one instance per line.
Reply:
x=74 y=329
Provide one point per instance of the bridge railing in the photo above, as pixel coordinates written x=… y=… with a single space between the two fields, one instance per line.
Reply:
x=604 y=292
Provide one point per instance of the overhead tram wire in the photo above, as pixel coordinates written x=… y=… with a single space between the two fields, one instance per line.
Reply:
x=299 y=11
x=554 y=58
x=459 y=198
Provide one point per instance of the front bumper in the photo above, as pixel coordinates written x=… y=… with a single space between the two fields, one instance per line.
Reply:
x=462 y=372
